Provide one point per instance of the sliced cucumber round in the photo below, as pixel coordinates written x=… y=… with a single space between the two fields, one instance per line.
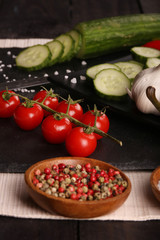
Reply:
x=68 y=44
x=33 y=58
x=141 y=54
x=130 y=68
x=56 y=48
x=152 y=62
x=111 y=84
x=92 y=71
x=77 y=38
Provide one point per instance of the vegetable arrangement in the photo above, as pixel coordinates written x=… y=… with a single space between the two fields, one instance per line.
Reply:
x=62 y=121
x=114 y=81
x=91 y=39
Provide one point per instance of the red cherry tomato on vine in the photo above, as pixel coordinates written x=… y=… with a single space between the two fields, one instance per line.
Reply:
x=28 y=118
x=8 y=104
x=102 y=122
x=54 y=130
x=50 y=101
x=81 y=144
x=75 y=110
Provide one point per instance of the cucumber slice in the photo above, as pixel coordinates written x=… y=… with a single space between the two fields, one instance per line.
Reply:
x=56 y=48
x=33 y=58
x=77 y=38
x=111 y=84
x=130 y=68
x=152 y=62
x=68 y=44
x=141 y=54
x=92 y=71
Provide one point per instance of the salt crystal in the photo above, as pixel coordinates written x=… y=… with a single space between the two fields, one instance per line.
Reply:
x=9 y=52
x=29 y=75
x=14 y=80
x=66 y=77
x=73 y=80
x=4 y=75
x=32 y=90
x=68 y=71
x=56 y=73
x=35 y=77
x=45 y=75
x=82 y=77
x=3 y=65
x=1 y=70
x=84 y=63
x=9 y=66
x=13 y=56
x=0 y=61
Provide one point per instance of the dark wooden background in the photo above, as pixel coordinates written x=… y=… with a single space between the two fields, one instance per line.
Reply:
x=46 y=19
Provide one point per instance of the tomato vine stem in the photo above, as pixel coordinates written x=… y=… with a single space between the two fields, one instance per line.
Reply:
x=73 y=120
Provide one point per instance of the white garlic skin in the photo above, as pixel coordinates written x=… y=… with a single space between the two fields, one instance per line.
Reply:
x=146 y=78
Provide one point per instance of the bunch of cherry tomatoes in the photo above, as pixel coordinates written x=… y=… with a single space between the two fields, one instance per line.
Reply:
x=55 y=129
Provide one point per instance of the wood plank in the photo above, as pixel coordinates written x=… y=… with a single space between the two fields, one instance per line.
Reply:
x=93 y=230
x=16 y=228
x=149 y=6
x=34 y=19
x=87 y=10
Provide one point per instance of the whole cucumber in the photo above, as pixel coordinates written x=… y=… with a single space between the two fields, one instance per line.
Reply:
x=107 y=35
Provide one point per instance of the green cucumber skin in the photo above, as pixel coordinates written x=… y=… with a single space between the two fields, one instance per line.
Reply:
x=108 y=35
x=38 y=67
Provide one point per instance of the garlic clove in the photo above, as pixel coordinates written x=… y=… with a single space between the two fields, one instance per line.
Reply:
x=146 y=78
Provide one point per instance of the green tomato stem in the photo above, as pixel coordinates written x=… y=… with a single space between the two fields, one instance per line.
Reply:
x=73 y=120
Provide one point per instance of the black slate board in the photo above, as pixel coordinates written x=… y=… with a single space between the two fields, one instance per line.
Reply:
x=20 y=149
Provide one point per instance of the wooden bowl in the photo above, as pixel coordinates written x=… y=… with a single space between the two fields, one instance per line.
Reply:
x=74 y=208
x=155 y=177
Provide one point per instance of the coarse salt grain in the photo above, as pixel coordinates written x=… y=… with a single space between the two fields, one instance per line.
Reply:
x=56 y=73
x=13 y=56
x=0 y=61
x=9 y=53
x=1 y=70
x=4 y=75
x=84 y=63
x=29 y=75
x=82 y=77
x=45 y=75
x=32 y=90
x=73 y=80
x=2 y=65
x=13 y=79
x=66 y=77
x=9 y=66
x=68 y=70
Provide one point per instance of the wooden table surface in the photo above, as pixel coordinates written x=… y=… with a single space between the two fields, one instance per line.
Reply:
x=47 y=19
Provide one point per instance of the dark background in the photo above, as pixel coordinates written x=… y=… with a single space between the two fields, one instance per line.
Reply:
x=47 y=19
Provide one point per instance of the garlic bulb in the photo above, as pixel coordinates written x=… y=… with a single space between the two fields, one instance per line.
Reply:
x=146 y=78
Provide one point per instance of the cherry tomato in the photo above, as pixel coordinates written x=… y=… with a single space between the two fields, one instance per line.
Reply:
x=153 y=44
x=81 y=144
x=75 y=110
x=55 y=131
x=8 y=104
x=50 y=101
x=28 y=118
x=102 y=121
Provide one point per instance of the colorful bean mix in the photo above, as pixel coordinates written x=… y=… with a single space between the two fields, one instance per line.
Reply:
x=80 y=182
